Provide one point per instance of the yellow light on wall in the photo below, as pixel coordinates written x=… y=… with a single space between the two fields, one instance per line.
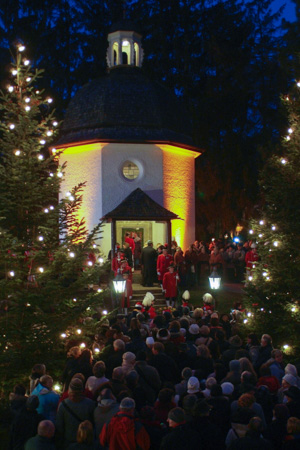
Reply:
x=178 y=187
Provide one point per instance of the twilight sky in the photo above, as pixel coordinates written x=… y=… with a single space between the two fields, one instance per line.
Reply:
x=289 y=11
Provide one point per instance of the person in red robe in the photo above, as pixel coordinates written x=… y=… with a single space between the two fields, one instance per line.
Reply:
x=116 y=261
x=163 y=262
x=127 y=294
x=170 y=281
x=130 y=242
x=251 y=257
x=126 y=268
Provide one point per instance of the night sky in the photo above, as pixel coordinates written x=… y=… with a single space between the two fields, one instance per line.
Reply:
x=289 y=10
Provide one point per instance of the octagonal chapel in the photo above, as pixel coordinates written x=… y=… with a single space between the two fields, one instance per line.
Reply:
x=130 y=139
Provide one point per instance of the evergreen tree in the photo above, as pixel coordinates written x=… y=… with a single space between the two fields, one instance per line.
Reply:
x=273 y=286
x=48 y=260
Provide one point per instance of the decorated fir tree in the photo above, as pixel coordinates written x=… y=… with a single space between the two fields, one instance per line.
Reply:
x=48 y=260
x=273 y=285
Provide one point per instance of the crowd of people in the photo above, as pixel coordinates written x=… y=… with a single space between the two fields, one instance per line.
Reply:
x=178 y=379
x=229 y=259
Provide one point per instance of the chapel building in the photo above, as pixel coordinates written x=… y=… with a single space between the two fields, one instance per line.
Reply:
x=130 y=139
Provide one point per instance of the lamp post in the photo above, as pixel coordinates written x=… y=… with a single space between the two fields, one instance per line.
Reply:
x=119 y=285
x=214 y=281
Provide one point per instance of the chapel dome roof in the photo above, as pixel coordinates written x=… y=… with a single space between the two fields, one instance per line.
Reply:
x=125 y=106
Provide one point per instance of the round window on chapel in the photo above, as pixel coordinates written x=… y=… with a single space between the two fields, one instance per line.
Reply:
x=130 y=170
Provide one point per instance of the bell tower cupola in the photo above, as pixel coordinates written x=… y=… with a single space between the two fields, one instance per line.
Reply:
x=124 y=45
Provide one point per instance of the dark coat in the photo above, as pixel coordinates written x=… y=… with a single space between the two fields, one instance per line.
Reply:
x=148 y=261
x=264 y=354
x=251 y=441
x=276 y=432
x=211 y=435
x=181 y=438
x=149 y=380
x=166 y=367
x=23 y=427
x=39 y=443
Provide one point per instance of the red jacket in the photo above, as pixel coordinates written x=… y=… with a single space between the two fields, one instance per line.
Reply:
x=162 y=265
x=170 y=284
x=128 y=292
x=251 y=258
x=131 y=243
x=124 y=432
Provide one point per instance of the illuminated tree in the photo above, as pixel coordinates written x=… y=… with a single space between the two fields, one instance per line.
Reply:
x=48 y=260
x=274 y=284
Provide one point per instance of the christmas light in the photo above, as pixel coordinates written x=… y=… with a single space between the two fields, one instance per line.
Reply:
x=28 y=79
x=290 y=130
x=28 y=304
x=82 y=345
x=14 y=72
x=99 y=290
x=37 y=92
x=293 y=309
x=46 y=210
x=68 y=194
x=71 y=198
x=63 y=335
x=251 y=231
x=260 y=235
x=59 y=174
x=72 y=254
x=298 y=84
x=10 y=89
x=41 y=269
x=40 y=157
x=55 y=123
x=275 y=243
x=49 y=100
x=104 y=312
x=264 y=274
x=288 y=138
x=26 y=62
x=287 y=98
x=17 y=152
x=57 y=387
x=94 y=246
x=11 y=273
x=51 y=174
x=42 y=141
x=273 y=228
x=268 y=278
x=90 y=263
x=261 y=222
x=54 y=150
x=245 y=320
x=96 y=350
x=11 y=126
x=27 y=100
x=51 y=207
x=79 y=331
x=40 y=238
x=101 y=260
x=286 y=346
x=27 y=108
x=49 y=133
x=250 y=278
x=21 y=48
